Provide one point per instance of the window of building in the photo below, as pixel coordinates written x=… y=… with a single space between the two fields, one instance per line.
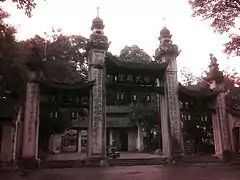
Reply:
x=121 y=96
x=56 y=115
x=118 y=96
x=51 y=114
x=148 y=98
x=134 y=97
x=73 y=114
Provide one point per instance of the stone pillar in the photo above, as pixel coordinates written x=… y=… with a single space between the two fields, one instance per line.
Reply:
x=221 y=128
x=97 y=47
x=79 y=141
x=31 y=120
x=139 y=137
x=110 y=137
x=167 y=53
x=174 y=109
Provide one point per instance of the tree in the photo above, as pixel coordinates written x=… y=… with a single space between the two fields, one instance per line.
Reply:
x=71 y=52
x=223 y=15
x=27 y=5
x=145 y=115
x=64 y=57
x=187 y=76
x=9 y=58
x=134 y=54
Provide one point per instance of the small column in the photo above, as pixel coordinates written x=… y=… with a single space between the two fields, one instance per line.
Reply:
x=79 y=141
x=139 y=137
x=110 y=137
x=56 y=140
x=97 y=48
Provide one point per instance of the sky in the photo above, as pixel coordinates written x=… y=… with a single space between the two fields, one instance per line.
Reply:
x=129 y=22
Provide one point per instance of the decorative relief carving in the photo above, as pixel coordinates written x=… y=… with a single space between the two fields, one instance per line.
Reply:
x=98 y=58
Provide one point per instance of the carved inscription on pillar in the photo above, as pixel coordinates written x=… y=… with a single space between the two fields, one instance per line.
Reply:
x=30 y=120
x=173 y=110
x=97 y=117
x=223 y=121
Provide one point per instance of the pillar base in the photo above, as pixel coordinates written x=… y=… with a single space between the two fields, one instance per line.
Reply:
x=97 y=161
x=30 y=163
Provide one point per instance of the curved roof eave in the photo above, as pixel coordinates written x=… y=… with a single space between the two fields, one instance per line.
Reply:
x=113 y=63
x=196 y=92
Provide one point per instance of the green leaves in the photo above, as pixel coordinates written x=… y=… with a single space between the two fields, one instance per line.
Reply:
x=223 y=15
x=26 y=5
x=134 y=54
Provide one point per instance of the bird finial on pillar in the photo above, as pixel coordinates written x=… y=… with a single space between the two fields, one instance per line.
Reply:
x=164 y=21
x=98 y=11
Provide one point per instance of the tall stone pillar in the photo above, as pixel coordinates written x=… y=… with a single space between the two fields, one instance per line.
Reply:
x=173 y=107
x=169 y=103
x=31 y=120
x=97 y=48
x=221 y=130
x=31 y=114
x=220 y=121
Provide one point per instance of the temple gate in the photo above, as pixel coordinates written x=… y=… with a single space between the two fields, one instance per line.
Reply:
x=108 y=72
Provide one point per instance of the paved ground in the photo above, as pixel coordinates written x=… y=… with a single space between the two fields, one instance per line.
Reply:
x=80 y=156
x=194 y=172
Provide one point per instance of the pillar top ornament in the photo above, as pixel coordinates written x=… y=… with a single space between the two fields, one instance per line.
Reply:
x=35 y=62
x=214 y=74
x=97 y=22
x=166 y=48
x=97 y=39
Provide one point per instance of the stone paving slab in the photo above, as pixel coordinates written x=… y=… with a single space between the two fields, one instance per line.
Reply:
x=193 y=172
